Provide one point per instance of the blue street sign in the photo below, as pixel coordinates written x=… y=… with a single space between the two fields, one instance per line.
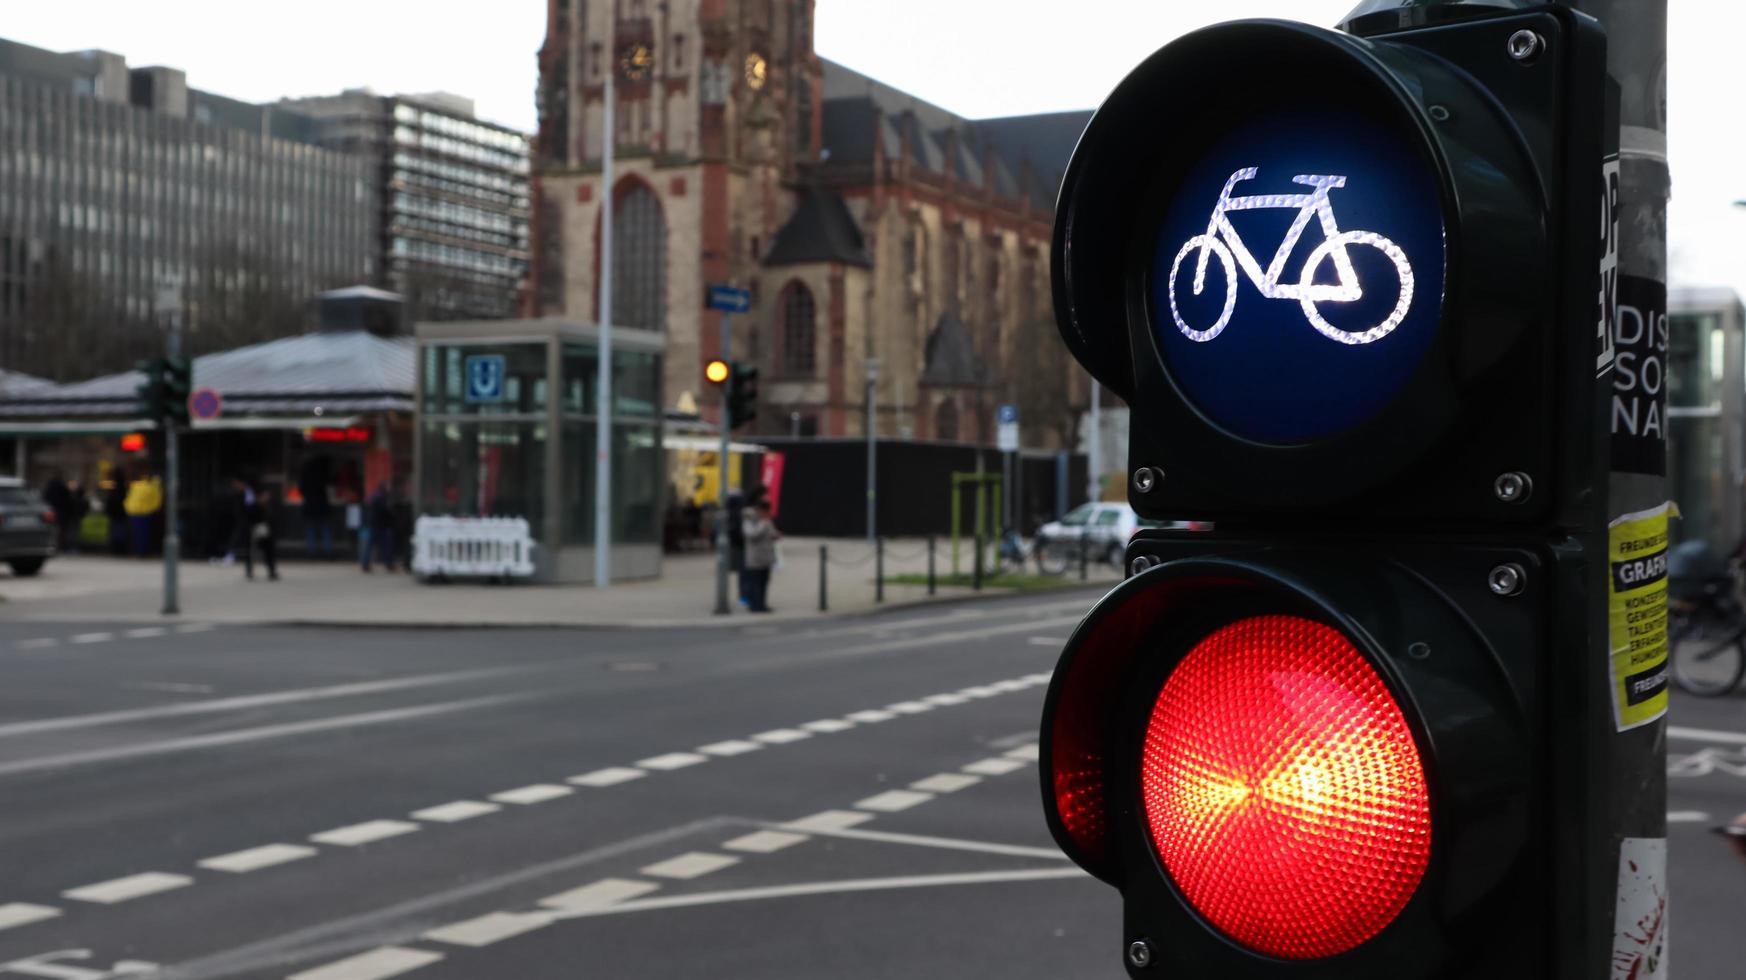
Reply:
x=1008 y=414
x=485 y=378
x=729 y=299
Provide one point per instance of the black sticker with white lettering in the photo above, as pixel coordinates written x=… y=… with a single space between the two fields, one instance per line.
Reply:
x=1638 y=409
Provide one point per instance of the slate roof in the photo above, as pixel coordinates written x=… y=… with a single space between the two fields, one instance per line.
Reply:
x=952 y=360
x=341 y=372
x=821 y=230
x=853 y=102
x=13 y=382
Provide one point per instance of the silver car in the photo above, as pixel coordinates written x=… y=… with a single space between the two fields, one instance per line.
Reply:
x=27 y=528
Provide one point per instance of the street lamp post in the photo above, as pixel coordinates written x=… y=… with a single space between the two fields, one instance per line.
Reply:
x=872 y=452
x=603 y=376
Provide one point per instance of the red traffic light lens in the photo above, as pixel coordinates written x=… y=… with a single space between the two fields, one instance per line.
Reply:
x=1283 y=789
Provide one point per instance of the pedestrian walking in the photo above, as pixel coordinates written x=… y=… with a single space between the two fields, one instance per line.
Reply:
x=258 y=518
x=379 y=515
x=115 y=508
x=59 y=498
x=317 y=508
x=145 y=498
x=760 y=536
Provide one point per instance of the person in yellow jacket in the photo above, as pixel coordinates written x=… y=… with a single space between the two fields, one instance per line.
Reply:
x=145 y=497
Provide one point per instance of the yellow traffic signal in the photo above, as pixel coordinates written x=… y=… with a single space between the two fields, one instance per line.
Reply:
x=716 y=371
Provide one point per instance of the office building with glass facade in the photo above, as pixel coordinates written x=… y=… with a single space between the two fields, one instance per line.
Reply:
x=506 y=427
x=116 y=182
x=453 y=193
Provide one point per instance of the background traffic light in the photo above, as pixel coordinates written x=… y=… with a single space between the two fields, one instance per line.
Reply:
x=742 y=394
x=151 y=399
x=178 y=384
x=1348 y=291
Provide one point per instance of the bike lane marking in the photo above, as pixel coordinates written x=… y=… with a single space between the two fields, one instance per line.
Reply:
x=1706 y=735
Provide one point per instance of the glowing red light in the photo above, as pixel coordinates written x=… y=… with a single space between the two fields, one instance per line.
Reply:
x=133 y=442
x=1283 y=789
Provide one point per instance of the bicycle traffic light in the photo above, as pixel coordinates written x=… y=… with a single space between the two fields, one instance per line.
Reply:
x=742 y=394
x=150 y=396
x=178 y=375
x=1348 y=286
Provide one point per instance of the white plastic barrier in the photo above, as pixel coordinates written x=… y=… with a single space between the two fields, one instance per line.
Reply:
x=472 y=546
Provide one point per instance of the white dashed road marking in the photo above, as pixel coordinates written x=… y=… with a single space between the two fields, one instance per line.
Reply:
x=673 y=760
x=828 y=726
x=994 y=767
x=1024 y=753
x=491 y=928
x=255 y=858
x=528 y=795
x=909 y=707
x=142 y=632
x=387 y=961
x=945 y=782
x=696 y=864
x=764 y=842
x=607 y=777
x=827 y=821
x=870 y=716
x=607 y=891
x=1706 y=735
x=82 y=638
x=196 y=627
x=455 y=812
x=24 y=913
x=893 y=801
x=731 y=747
x=944 y=700
x=781 y=736
x=1687 y=816
x=364 y=833
x=128 y=888
x=38 y=643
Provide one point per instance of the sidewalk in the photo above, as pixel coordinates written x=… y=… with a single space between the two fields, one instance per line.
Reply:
x=81 y=588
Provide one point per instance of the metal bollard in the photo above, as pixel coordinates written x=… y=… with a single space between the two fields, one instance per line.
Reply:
x=878 y=570
x=930 y=564
x=823 y=557
x=1084 y=556
x=976 y=567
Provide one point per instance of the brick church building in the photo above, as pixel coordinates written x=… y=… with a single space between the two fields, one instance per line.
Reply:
x=868 y=224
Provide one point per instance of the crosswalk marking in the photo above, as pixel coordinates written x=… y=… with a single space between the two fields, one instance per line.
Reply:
x=673 y=760
x=945 y=782
x=455 y=812
x=14 y=914
x=364 y=833
x=128 y=888
x=255 y=858
x=529 y=795
x=828 y=821
x=995 y=766
x=764 y=841
x=611 y=776
x=607 y=891
x=1024 y=753
x=696 y=864
x=892 y=801
x=384 y=961
x=490 y=928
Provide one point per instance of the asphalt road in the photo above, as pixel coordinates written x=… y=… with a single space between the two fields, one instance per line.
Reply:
x=849 y=799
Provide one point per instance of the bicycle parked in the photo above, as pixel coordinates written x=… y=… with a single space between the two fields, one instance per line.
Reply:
x=1706 y=623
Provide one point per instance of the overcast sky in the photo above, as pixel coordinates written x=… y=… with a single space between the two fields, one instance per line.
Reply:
x=975 y=57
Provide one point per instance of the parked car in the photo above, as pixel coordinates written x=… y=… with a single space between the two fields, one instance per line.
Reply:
x=1102 y=529
x=27 y=528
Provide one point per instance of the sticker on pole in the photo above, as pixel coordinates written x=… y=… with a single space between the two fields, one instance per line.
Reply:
x=1640 y=918
x=1637 y=615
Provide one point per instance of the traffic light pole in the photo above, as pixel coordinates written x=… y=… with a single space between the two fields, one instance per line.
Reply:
x=172 y=464
x=1635 y=781
x=721 y=484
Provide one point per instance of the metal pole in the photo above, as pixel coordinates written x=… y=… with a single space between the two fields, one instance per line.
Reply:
x=1630 y=770
x=930 y=564
x=794 y=425
x=722 y=529
x=976 y=566
x=872 y=454
x=823 y=557
x=172 y=463
x=1084 y=555
x=603 y=378
x=878 y=570
x=1094 y=445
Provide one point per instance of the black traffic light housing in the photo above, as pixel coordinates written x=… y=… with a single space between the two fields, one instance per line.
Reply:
x=1442 y=509
x=742 y=394
x=150 y=394
x=178 y=380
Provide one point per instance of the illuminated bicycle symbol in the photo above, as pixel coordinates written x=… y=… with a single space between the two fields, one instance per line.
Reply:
x=1232 y=252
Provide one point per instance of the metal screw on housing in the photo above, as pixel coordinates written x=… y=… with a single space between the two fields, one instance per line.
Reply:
x=1507 y=579
x=1140 y=564
x=1147 y=478
x=1140 y=953
x=1513 y=487
x=1525 y=45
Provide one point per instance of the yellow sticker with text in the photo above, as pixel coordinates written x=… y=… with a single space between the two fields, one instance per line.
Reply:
x=1637 y=615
